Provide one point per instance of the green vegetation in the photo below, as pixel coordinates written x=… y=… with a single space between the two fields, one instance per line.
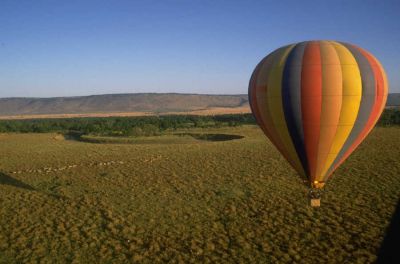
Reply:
x=145 y=126
x=181 y=199
x=123 y=126
x=390 y=117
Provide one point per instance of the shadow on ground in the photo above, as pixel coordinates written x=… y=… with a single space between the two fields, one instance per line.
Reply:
x=78 y=136
x=212 y=137
x=389 y=251
x=8 y=180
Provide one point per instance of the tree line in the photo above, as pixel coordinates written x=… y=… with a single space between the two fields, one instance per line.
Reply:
x=147 y=125
x=390 y=117
x=123 y=126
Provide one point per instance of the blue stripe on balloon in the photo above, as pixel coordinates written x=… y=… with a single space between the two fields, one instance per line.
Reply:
x=291 y=99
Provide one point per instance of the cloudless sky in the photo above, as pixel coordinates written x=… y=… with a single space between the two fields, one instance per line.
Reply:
x=68 y=48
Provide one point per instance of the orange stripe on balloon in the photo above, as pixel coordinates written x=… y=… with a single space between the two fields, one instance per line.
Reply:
x=311 y=100
x=331 y=103
x=253 y=96
x=257 y=95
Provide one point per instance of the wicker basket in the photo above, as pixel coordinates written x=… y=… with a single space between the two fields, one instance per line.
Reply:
x=315 y=202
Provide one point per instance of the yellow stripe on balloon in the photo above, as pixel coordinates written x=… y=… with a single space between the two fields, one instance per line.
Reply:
x=275 y=105
x=262 y=78
x=262 y=87
x=261 y=99
x=331 y=103
x=352 y=89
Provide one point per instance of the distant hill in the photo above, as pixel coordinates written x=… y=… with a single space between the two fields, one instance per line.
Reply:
x=393 y=99
x=131 y=105
x=119 y=103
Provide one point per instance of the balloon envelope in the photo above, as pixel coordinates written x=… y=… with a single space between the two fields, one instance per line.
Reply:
x=316 y=101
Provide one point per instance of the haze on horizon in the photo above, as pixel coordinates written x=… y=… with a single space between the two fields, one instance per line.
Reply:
x=74 y=48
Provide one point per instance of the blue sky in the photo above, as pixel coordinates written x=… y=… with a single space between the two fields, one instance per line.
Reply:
x=69 y=48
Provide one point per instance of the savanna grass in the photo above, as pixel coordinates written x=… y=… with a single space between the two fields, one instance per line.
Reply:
x=185 y=200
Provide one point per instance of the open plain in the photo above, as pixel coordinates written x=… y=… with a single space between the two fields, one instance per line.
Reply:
x=187 y=199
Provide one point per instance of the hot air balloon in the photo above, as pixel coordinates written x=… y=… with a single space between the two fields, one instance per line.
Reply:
x=317 y=101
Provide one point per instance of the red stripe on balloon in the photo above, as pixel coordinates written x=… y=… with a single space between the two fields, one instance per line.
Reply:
x=311 y=102
x=252 y=93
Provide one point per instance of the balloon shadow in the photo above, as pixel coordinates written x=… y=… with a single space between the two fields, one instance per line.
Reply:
x=212 y=137
x=8 y=180
x=390 y=248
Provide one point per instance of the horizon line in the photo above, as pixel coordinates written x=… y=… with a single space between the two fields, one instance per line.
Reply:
x=106 y=94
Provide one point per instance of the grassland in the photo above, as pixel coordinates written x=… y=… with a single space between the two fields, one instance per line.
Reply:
x=201 y=112
x=187 y=200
